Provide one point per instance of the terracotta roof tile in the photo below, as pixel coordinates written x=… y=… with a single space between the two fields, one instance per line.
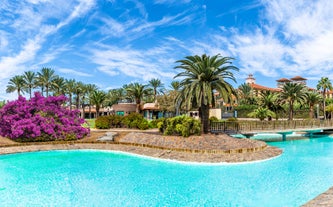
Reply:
x=264 y=88
x=298 y=78
x=283 y=80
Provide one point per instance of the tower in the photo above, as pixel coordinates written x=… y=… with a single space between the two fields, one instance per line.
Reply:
x=250 y=79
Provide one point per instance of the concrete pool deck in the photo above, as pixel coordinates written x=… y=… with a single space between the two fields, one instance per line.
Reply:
x=208 y=148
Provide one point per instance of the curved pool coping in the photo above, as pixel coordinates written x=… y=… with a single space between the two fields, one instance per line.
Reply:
x=161 y=154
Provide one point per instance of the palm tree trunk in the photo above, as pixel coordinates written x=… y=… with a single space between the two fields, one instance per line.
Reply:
x=311 y=112
x=83 y=111
x=70 y=102
x=291 y=111
x=204 y=117
x=138 y=105
x=30 y=92
x=324 y=104
x=97 y=112
x=89 y=110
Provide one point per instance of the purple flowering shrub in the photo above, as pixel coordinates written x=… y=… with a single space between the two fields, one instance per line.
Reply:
x=40 y=119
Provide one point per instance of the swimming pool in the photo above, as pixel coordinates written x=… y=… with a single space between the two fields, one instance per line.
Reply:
x=100 y=178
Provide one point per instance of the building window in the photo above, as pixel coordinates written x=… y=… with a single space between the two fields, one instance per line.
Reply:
x=120 y=113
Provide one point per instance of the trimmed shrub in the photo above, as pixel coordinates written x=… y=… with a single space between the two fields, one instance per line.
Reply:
x=213 y=118
x=153 y=123
x=40 y=119
x=115 y=121
x=133 y=120
x=102 y=122
x=180 y=125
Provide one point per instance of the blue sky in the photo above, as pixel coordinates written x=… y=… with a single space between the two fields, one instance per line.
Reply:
x=112 y=42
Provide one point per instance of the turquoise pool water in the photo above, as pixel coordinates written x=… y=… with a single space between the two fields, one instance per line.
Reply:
x=97 y=178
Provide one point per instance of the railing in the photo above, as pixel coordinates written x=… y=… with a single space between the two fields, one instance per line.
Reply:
x=249 y=126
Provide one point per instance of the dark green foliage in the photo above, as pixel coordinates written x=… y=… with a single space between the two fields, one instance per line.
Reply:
x=233 y=119
x=115 y=121
x=133 y=121
x=102 y=122
x=243 y=110
x=153 y=123
x=213 y=118
x=180 y=125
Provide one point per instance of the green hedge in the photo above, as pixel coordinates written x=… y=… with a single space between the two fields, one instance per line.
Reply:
x=133 y=120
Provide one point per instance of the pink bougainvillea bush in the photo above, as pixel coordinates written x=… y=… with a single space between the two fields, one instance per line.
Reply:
x=40 y=119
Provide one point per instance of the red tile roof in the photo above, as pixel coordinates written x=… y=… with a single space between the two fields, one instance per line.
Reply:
x=150 y=106
x=263 y=88
x=296 y=78
x=283 y=80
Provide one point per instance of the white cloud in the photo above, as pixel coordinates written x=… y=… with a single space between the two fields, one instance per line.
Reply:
x=31 y=27
x=10 y=65
x=134 y=63
x=295 y=38
x=74 y=72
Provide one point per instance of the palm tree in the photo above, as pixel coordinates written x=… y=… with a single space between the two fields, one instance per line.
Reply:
x=329 y=109
x=261 y=113
x=175 y=85
x=90 y=88
x=59 y=86
x=291 y=93
x=97 y=98
x=312 y=98
x=78 y=90
x=245 y=93
x=202 y=75
x=84 y=99
x=157 y=86
x=45 y=78
x=324 y=84
x=137 y=91
x=271 y=101
x=70 y=89
x=29 y=78
x=16 y=83
x=116 y=95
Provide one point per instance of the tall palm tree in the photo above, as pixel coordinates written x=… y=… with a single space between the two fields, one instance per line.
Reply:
x=157 y=86
x=29 y=78
x=115 y=95
x=245 y=93
x=16 y=83
x=291 y=93
x=59 y=86
x=325 y=85
x=70 y=89
x=271 y=101
x=90 y=88
x=261 y=113
x=78 y=90
x=45 y=78
x=137 y=91
x=84 y=99
x=202 y=75
x=97 y=98
x=312 y=98
x=175 y=85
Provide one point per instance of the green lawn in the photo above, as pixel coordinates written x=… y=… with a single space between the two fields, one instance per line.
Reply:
x=90 y=123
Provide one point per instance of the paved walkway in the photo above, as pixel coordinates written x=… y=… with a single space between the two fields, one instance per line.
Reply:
x=323 y=200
